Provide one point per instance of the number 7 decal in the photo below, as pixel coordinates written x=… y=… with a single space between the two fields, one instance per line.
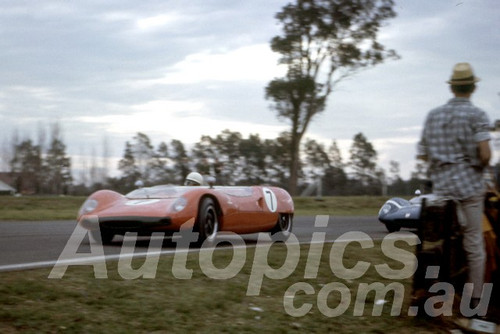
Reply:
x=271 y=201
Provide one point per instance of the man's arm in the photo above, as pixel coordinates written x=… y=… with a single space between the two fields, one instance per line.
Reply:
x=484 y=152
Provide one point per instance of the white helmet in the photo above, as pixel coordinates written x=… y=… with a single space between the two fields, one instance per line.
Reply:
x=194 y=179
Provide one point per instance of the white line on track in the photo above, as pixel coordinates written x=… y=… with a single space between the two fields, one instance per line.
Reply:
x=88 y=260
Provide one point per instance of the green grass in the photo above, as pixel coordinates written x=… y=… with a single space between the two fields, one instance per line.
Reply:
x=79 y=303
x=39 y=208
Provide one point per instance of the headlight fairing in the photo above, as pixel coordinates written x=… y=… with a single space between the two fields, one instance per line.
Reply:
x=88 y=206
x=179 y=204
x=386 y=208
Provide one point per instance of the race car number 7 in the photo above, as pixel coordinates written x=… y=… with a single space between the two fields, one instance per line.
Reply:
x=270 y=197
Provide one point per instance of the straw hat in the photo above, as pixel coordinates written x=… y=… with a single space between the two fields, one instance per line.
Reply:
x=462 y=75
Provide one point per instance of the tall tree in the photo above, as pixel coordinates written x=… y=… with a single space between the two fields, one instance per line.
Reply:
x=363 y=160
x=27 y=164
x=227 y=145
x=394 y=171
x=57 y=165
x=323 y=42
x=143 y=151
x=253 y=152
x=396 y=184
x=223 y=150
x=335 y=155
x=335 y=180
x=279 y=159
x=421 y=171
x=317 y=158
x=142 y=161
x=127 y=165
x=159 y=171
x=179 y=157
x=203 y=152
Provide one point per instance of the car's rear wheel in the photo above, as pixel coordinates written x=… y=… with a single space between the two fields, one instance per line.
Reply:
x=283 y=225
x=207 y=223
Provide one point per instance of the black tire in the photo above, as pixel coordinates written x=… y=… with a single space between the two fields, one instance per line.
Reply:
x=207 y=222
x=392 y=227
x=283 y=225
x=106 y=236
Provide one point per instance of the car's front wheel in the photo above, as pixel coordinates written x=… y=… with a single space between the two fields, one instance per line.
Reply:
x=207 y=223
x=391 y=227
x=103 y=236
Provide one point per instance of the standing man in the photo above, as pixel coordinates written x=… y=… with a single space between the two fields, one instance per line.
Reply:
x=455 y=143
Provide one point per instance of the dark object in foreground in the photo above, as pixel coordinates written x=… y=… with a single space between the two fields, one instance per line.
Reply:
x=441 y=262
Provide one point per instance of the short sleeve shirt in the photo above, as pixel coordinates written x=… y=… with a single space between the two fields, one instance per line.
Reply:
x=449 y=140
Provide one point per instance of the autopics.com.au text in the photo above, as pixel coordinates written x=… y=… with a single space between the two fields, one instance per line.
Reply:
x=440 y=302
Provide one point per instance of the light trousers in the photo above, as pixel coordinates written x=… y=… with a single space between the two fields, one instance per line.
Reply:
x=473 y=241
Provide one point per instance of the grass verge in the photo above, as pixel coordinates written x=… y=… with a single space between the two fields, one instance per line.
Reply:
x=33 y=208
x=39 y=208
x=79 y=303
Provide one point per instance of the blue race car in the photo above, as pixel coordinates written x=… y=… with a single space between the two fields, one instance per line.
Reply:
x=398 y=212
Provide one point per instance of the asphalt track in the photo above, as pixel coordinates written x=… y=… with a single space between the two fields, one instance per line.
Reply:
x=26 y=245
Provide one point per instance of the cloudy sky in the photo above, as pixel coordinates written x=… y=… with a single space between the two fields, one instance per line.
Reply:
x=174 y=69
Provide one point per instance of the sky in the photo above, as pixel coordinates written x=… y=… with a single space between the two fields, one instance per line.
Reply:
x=173 y=69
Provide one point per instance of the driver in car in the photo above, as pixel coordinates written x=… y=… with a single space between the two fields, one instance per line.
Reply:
x=193 y=179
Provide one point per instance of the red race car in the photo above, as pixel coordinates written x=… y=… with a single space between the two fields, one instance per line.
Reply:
x=203 y=209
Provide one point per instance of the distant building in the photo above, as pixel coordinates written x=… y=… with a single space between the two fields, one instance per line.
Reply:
x=5 y=189
x=23 y=183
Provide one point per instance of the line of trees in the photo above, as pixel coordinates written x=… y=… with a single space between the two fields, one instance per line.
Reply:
x=230 y=157
x=235 y=160
x=40 y=168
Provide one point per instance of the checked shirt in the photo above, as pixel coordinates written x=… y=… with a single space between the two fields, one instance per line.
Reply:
x=449 y=140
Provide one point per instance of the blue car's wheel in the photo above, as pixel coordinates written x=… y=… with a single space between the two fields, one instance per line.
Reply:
x=391 y=227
